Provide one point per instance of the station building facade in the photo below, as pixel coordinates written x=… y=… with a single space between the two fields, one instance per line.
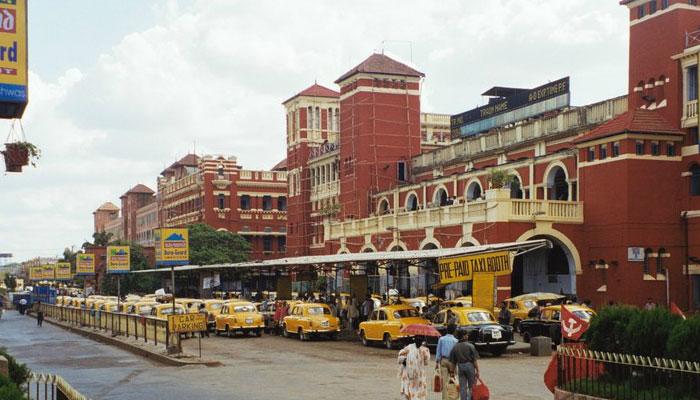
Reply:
x=614 y=185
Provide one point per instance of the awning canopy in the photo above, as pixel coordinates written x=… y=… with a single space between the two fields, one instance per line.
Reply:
x=353 y=258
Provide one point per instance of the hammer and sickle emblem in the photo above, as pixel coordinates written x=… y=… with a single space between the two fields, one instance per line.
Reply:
x=570 y=327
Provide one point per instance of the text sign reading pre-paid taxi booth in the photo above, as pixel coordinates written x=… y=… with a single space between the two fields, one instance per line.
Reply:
x=13 y=58
x=187 y=323
x=172 y=247
x=463 y=268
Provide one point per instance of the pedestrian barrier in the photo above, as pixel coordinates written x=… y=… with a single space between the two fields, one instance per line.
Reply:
x=625 y=376
x=148 y=329
x=49 y=386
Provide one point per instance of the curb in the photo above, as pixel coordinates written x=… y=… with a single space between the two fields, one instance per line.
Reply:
x=160 y=358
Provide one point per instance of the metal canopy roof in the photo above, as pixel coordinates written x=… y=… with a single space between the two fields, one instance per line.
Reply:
x=380 y=257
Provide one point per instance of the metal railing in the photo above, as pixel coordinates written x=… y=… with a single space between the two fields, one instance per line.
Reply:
x=49 y=386
x=151 y=329
x=626 y=377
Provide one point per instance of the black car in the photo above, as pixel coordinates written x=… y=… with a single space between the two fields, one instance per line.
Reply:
x=549 y=324
x=481 y=328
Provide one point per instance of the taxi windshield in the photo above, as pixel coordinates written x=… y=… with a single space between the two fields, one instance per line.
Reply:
x=406 y=313
x=145 y=309
x=318 y=310
x=479 y=316
x=215 y=306
x=169 y=310
x=529 y=303
x=244 y=308
x=583 y=314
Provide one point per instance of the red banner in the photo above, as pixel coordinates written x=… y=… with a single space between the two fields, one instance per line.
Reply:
x=572 y=326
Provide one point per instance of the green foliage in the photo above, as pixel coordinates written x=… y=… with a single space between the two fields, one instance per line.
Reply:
x=19 y=373
x=132 y=283
x=10 y=282
x=684 y=340
x=209 y=246
x=608 y=330
x=100 y=239
x=500 y=179
x=9 y=390
x=648 y=332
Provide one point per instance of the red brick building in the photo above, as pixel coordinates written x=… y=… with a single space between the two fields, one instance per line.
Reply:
x=615 y=185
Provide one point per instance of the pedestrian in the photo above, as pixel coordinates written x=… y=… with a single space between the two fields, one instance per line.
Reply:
x=442 y=356
x=22 y=305
x=39 y=315
x=650 y=305
x=465 y=358
x=412 y=360
x=203 y=310
x=504 y=315
x=451 y=318
x=367 y=308
x=277 y=317
x=353 y=314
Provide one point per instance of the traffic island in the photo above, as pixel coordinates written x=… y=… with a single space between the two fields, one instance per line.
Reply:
x=157 y=353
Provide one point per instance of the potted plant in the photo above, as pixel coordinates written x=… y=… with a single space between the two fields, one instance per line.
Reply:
x=19 y=154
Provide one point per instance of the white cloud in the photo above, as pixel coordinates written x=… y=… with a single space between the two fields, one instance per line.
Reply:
x=216 y=71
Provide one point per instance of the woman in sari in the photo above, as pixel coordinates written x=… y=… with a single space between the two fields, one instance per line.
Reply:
x=412 y=360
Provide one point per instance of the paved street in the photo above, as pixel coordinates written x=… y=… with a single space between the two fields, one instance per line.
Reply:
x=254 y=368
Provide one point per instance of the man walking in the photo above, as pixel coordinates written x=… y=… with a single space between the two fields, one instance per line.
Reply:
x=442 y=356
x=203 y=310
x=464 y=356
x=39 y=315
x=504 y=315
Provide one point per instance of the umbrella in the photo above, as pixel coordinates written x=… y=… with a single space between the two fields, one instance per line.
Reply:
x=420 y=330
x=537 y=296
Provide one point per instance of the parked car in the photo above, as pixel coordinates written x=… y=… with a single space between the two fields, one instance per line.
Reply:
x=306 y=319
x=239 y=317
x=549 y=323
x=385 y=323
x=143 y=308
x=479 y=325
x=163 y=310
x=213 y=307
x=520 y=306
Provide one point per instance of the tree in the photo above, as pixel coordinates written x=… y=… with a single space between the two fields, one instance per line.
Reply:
x=209 y=246
x=10 y=282
x=132 y=283
x=101 y=238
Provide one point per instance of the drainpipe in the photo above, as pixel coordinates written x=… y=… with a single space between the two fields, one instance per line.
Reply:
x=686 y=257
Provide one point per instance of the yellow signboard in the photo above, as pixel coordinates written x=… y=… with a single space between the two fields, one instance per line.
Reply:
x=48 y=272
x=13 y=57
x=85 y=264
x=63 y=272
x=118 y=261
x=463 y=268
x=172 y=246
x=483 y=291
x=36 y=273
x=195 y=322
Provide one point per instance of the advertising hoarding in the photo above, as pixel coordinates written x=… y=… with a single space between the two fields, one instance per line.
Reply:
x=118 y=260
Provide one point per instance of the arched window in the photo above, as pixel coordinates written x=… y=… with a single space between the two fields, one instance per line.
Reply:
x=695 y=180
x=411 y=202
x=473 y=191
x=383 y=207
x=516 y=191
x=557 y=186
x=222 y=200
x=220 y=170
x=440 y=198
x=282 y=203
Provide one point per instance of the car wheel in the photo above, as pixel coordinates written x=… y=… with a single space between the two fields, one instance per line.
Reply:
x=284 y=331
x=258 y=332
x=387 y=341
x=516 y=325
x=526 y=337
x=228 y=331
x=218 y=332
x=498 y=351
x=333 y=336
x=301 y=335
x=365 y=342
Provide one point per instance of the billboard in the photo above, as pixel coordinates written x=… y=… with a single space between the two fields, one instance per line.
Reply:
x=13 y=58
x=118 y=261
x=520 y=106
x=463 y=268
x=172 y=246
x=85 y=264
x=48 y=272
x=63 y=272
x=36 y=273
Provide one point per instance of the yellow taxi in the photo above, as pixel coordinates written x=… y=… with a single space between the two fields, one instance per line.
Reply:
x=213 y=307
x=77 y=302
x=163 y=310
x=109 y=306
x=191 y=305
x=479 y=326
x=127 y=306
x=385 y=323
x=143 y=308
x=241 y=316
x=306 y=319
x=549 y=322
x=520 y=306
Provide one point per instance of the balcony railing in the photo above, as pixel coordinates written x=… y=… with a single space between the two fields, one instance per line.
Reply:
x=494 y=209
x=324 y=190
x=691 y=109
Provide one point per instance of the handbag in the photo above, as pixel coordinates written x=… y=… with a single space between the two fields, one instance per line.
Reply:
x=480 y=391
x=452 y=389
x=437 y=381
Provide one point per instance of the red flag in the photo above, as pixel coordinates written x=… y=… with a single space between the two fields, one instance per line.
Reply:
x=550 y=375
x=572 y=326
x=676 y=310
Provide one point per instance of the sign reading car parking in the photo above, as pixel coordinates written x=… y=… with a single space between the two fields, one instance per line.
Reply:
x=187 y=323
x=463 y=268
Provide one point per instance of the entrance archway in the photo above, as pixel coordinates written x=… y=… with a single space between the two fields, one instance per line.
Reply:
x=545 y=270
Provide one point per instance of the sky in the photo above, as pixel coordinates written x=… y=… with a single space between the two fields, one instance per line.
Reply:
x=118 y=90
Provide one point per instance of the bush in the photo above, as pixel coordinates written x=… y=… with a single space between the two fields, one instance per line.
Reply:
x=648 y=332
x=19 y=373
x=608 y=330
x=9 y=390
x=683 y=343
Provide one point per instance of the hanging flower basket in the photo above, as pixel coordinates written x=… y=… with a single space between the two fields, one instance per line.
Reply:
x=18 y=155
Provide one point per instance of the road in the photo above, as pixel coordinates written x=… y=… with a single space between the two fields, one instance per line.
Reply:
x=254 y=368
